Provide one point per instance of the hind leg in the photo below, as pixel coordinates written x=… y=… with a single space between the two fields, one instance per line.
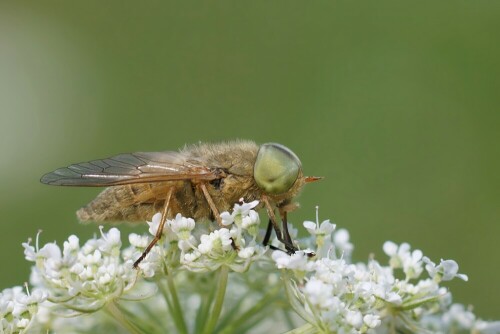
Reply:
x=159 y=231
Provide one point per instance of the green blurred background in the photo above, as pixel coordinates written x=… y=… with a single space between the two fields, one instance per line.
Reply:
x=395 y=102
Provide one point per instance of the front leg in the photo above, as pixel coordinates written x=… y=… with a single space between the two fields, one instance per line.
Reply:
x=269 y=230
x=282 y=237
x=267 y=237
x=290 y=247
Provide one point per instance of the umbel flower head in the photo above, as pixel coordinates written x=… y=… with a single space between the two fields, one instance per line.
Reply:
x=81 y=279
x=18 y=308
x=203 y=279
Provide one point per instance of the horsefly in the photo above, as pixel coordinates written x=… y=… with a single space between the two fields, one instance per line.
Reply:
x=198 y=181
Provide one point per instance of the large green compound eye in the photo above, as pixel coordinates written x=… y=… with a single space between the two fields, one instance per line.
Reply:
x=276 y=168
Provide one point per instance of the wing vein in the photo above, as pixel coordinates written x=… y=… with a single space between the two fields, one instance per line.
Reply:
x=140 y=167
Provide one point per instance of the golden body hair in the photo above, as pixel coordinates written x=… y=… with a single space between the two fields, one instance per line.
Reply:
x=140 y=201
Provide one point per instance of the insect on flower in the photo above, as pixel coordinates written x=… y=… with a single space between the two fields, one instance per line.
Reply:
x=198 y=181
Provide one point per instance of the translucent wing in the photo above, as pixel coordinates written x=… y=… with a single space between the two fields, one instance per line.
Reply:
x=140 y=167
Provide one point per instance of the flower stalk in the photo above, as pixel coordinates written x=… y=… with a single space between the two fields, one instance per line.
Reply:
x=172 y=299
x=121 y=320
x=219 y=300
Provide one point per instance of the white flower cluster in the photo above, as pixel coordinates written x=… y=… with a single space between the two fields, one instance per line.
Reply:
x=198 y=279
x=234 y=246
x=18 y=308
x=458 y=319
x=337 y=296
x=85 y=279
x=81 y=279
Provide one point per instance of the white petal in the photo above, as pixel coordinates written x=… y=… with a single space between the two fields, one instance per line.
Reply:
x=326 y=227
x=371 y=320
x=390 y=248
x=310 y=226
x=246 y=253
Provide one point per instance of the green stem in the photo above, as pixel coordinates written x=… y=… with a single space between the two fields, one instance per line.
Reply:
x=172 y=300
x=116 y=314
x=219 y=300
x=304 y=329
x=393 y=325
x=204 y=310
x=292 y=299
x=144 y=324
x=288 y=318
x=166 y=296
x=247 y=315
x=177 y=305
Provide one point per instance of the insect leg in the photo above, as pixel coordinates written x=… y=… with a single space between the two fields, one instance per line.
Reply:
x=216 y=212
x=272 y=217
x=287 y=241
x=268 y=233
x=269 y=230
x=159 y=231
x=290 y=247
x=211 y=203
